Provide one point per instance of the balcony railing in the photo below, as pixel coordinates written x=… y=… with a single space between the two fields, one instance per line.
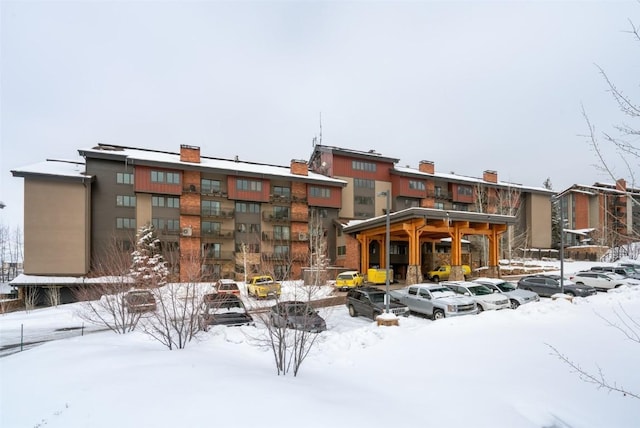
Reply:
x=225 y=234
x=218 y=255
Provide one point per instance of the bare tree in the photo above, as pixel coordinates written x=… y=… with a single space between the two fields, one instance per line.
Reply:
x=53 y=295
x=623 y=138
x=630 y=328
x=103 y=298
x=292 y=341
x=31 y=297
x=174 y=323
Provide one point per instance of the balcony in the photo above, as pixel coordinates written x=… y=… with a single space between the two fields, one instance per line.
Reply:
x=218 y=255
x=223 y=234
x=271 y=217
x=217 y=213
x=282 y=199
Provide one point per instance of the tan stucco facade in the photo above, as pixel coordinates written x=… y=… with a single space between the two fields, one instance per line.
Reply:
x=57 y=224
x=539 y=220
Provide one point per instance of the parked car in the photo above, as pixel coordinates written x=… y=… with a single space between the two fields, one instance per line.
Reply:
x=548 y=285
x=633 y=265
x=602 y=280
x=435 y=301
x=223 y=309
x=625 y=271
x=370 y=302
x=297 y=315
x=442 y=273
x=349 y=279
x=486 y=298
x=227 y=286
x=516 y=295
x=139 y=301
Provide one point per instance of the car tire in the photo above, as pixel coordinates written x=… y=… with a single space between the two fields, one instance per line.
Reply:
x=374 y=315
x=352 y=311
x=570 y=293
x=514 y=304
x=480 y=308
x=438 y=314
x=435 y=279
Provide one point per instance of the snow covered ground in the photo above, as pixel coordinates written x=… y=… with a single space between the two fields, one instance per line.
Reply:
x=495 y=369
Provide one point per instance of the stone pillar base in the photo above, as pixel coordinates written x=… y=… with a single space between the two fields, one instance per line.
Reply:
x=457 y=274
x=493 y=271
x=414 y=275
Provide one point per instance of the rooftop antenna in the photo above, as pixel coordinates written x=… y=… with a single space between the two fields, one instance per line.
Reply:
x=318 y=139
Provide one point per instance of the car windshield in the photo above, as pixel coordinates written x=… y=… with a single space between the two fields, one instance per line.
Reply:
x=480 y=290
x=506 y=286
x=377 y=297
x=614 y=275
x=300 y=310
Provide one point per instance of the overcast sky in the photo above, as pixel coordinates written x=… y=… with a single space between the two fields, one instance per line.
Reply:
x=468 y=85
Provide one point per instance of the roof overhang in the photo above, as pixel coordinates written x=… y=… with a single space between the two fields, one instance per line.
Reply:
x=429 y=214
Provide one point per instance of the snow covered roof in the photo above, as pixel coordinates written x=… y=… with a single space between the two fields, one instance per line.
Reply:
x=52 y=167
x=469 y=180
x=23 y=280
x=145 y=156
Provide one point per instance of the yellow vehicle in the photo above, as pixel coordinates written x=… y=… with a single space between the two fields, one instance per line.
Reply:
x=442 y=273
x=379 y=276
x=349 y=279
x=263 y=286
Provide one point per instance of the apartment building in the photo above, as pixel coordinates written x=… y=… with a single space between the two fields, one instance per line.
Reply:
x=215 y=217
x=601 y=214
x=370 y=174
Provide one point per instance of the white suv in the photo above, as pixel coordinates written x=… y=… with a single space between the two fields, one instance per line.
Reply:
x=602 y=280
x=485 y=297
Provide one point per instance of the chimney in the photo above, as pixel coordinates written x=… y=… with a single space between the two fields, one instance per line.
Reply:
x=427 y=167
x=490 y=176
x=621 y=185
x=299 y=167
x=189 y=153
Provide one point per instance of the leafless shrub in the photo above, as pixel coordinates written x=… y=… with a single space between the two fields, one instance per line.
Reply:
x=53 y=295
x=175 y=321
x=31 y=296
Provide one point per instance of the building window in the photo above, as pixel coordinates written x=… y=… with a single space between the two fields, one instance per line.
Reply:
x=247 y=207
x=438 y=205
x=416 y=185
x=281 y=212
x=465 y=190
x=363 y=200
x=169 y=202
x=364 y=183
x=157 y=201
x=437 y=190
x=125 y=201
x=363 y=166
x=249 y=185
x=281 y=232
x=210 y=208
x=125 y=223
x=342 y=250
x=165 y=177
x=210 y=227
x=460 y=207
x=281 y=250
x=319 y=192
x=171 y=225
x=211 y=250
x=210 y=186
x=124 y=178
x=320 y=212
x=285 y=192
